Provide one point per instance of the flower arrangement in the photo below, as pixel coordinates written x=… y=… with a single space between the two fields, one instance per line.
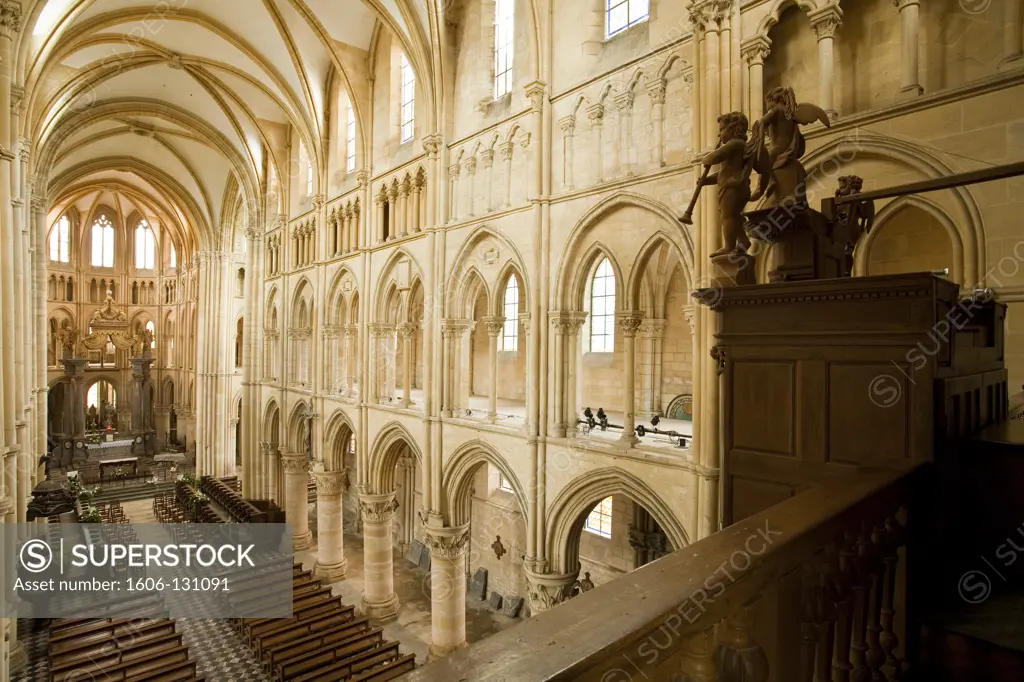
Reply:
x=91 y=515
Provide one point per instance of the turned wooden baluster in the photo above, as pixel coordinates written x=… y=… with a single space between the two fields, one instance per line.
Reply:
x=887 y=638
x=698 y=657
x=808 y=625
x=845 y=579
x=861 y=597
x=876 y=655
x=825 y=616
x=738 y=657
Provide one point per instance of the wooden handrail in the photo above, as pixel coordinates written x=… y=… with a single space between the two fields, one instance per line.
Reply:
x=1001 y=172
x=680 y=595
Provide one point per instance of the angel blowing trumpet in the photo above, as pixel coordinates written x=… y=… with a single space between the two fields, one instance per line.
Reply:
x=773 y=150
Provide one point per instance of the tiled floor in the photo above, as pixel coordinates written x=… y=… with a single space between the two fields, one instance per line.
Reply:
x=222 y=656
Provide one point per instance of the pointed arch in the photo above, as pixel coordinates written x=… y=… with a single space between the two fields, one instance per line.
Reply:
x=568 y=291
x=828 y=161
x=387 y=447
x=337 y=434
x=568 y=512
x=457 y=480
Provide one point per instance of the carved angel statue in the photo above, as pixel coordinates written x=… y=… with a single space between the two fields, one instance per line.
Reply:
x=782 y=176
x=734 y=154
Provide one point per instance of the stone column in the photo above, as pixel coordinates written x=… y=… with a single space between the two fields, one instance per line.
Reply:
x=379 y=601
x=351 y=332
x=402 y=209
x=10 y=23
x=453 y=181
x=380 y=201
x=1013 y=54
x=567 y=124
x=909 y=19
x=488 y=158
x=755 y=51
x=406 y=330
x=595 y=113
x=405 y=494
x=624 y=101
x=471 y=180
x=448 y=548
x=506 y=155
x=296 y=474
x=141 y=408
x=656 y=91
x=548 y=589
x=447 y=369
x=652 y=332
x=389 y=339
x=494 y=326
x=331 y=565
x=628 y=323
x=825 y=22
x=419 y=205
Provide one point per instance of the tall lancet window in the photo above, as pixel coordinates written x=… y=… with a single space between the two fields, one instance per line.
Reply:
x=60 y=241
x=151 y=328
x=102 y=243
x=350 y=137
x=145 y=247
x=504 y=39
x=510 y=331
x=174 y=257
x=602 y=309
x=408 y=99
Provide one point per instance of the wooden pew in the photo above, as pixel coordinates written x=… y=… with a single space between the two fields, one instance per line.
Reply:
x=129 y=671
x=110 y=655
x=388 y=671
x=288 y=629
x=249 y=627
x=104 y=631
x=304 y=658
x=353 y=665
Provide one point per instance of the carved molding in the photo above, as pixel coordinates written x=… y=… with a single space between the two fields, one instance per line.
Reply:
x=629 y=321
x=329 y=482
x=756 y=50
x=378 y=508
x=447 y=543
x=295 y=463
x=826 y=21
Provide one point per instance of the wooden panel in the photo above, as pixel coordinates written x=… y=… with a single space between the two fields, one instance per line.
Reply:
x=812 y=413
x=868 y=412
x=763 y=395
x=750 y=497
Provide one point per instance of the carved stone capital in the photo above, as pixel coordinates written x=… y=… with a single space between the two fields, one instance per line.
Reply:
x=453 y=171
x=378 y=508
x=455 y=328
x=756 y=50
x=406 y=329
x=656 y=91
x=362 y=178
x=624 y=100
x=903 y=4
x=487 y=156
x=295 y=463
x=595 y=112
x=652 y=328
x=447 y=543
x=432 y=145
x=494 y=325
x=10 y=18
x=690 y=315
x=567 y=323
x=329 y=482
x=535 y=93
x=629 y=321
x=567 y=124
x=826 y=21
x=506 y=150
x=471 y=165
x=548 y=589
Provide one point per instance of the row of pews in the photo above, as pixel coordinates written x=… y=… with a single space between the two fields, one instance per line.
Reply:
x=227 y=496
x=128 y=639
x=324 y=640
x=141 y=648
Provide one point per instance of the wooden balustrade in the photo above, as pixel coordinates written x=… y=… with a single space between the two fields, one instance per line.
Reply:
x=810 y=590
